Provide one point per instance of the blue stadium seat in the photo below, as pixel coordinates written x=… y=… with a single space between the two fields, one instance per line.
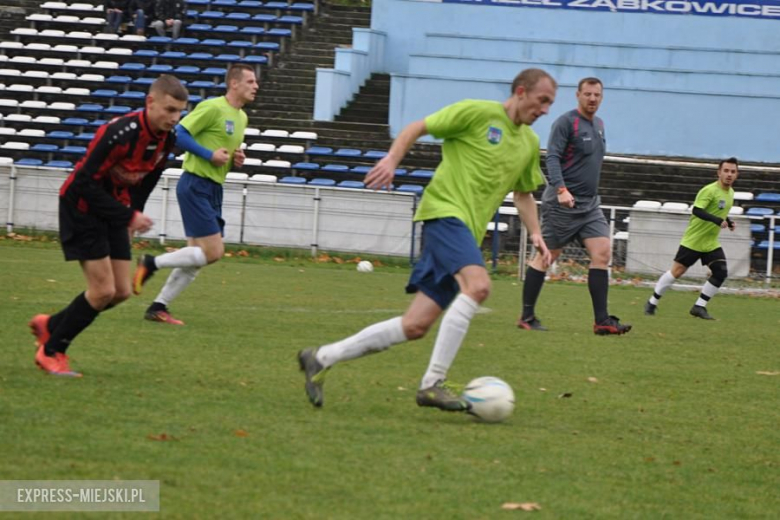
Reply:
x=60 y=134
x=200 y=56
x=201 y=84
x=146 y=53
x=132 y=95
x=319 y=150
x=186 y=41
x=252 y=31
x=322 y=182
x=764 y=244
x=336 y=168
x=240 y=44
x=59 y=164
x=255 y=59
x=200 y=27
x=214 y=71
x=275 y=5
x=44 y=148
x=197 y=2
x=106 y=93
x=146 y=81
x=228 y=57
x=224 y=3
x=410 y=188
x=375 y=154
x=75 y=121
x=267 y=46
x=759 y=212
x=301 y=6
x=159 y=39
x=118 y=109
x=89 y=107
x=98 y=122
x=768 y=197
x=422 y=174
x=361 y=170
x=213 y=42
x=249 y=4
x=85 y=136
x=230 y=29
x=347 y=152
x=27 y=161
x=351 y=184
x=211 y=15
x=173 y=55
x=281 y=33
x=264 y=18
x=121 y=80
x=757 y=228
x=292 y=180
x=132 y=67
x=186 y=69
x=160 y=68
x=76 y=150
x=400 y=172
x=238 y=15
x=290 y=19
x=306 y=166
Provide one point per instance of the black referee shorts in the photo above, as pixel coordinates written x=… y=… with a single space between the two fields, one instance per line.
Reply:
x=86 y=237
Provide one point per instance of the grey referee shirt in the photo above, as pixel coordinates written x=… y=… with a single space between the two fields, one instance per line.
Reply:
x=575 y=151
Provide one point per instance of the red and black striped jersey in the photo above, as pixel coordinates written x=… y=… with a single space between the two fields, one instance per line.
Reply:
x=120 y=169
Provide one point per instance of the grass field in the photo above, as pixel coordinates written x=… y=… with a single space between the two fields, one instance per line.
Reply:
x=674 y=420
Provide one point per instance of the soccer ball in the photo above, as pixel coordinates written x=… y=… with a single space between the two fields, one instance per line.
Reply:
x=491 y=398
x=365 y=266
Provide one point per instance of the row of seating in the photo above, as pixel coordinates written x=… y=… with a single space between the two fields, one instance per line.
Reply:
x=41 y=21
x=78 y=7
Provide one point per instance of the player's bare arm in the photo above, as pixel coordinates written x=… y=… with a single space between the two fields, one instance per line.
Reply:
x=382 y=174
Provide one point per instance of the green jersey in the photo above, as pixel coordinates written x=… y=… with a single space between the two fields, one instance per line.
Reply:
x=214 y=124
x=702 y=235
x=485 y=155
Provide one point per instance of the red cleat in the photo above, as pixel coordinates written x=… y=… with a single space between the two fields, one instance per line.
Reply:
x=39 y=326
x=611 y=326
x=56 y=365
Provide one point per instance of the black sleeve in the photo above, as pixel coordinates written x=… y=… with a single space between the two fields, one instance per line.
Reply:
x=709 y=217
x=88 y=186
x=140 y=194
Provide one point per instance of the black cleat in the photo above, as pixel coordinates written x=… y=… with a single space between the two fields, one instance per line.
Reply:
x=531 y=323
x=650 y=308
x=610 y=326
x=315 y=375
x=442 y=396
x=697 y=311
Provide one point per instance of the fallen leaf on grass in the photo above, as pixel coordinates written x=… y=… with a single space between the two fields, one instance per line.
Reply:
x=567 y=394
x=593 y=380
x=338 y=260
x=765 y=373
x=242 y=253
x=521 y=506
x=278 y=259
x=161 y=437
x=241 y=433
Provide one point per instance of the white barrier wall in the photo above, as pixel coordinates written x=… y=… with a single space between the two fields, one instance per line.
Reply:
x=256 y=213
x=655 y=237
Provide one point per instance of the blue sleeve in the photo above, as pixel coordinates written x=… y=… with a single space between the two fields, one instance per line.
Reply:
x=186 y=142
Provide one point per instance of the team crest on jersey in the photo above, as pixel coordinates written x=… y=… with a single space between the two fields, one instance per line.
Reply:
x=721 y=204
x=230 y=127
x=494 y=135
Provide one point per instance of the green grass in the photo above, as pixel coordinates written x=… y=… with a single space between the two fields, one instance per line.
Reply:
x=677 y=425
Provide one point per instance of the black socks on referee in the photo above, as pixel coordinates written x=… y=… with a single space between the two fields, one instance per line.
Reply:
x=534 y=280
x=598 y=285
x=68 y=323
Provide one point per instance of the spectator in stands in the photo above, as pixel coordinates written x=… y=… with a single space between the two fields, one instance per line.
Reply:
x=570 y=207
x=140 y=10
x=169 y=14
x=211 y=135
x=489 y=150
x=115 y=10
x=700 y=241
x=100 y=201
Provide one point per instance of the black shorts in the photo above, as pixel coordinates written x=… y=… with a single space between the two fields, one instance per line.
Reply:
x=86 y=237
x=688 y=257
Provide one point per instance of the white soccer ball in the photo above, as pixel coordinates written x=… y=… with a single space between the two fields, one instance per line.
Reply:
x=491 y=398
x=365 y=266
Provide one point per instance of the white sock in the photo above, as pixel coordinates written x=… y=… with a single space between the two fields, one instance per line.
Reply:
x=453 y=329
x=666 y=281
x=177 y=281
x=191 y=256
x=374 y=338
x=707 y=292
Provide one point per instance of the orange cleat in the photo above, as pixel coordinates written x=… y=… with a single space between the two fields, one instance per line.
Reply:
x=143 y=271
x=39 y=326
x=56 y=365
x=162 y=317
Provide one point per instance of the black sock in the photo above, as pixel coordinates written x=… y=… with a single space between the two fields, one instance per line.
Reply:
x=534 y=280
x=56 y=319
x=598 y=285
x=77 y=317
x=157 y=306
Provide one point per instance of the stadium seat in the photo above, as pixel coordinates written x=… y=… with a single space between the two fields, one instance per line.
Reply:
x=67 y=165
x=736 y=210
x=290 y=148
x=277 y=164
x=303 y=135
x=759 y=212
x=351 y=184
x=764 y=244
x=261 y=147
x=319 y=150
x=29 y=162
x=502 y=226
x=768 y=197
x=322 y=182
x=310 y=166
x=375 y=154
x=335 y=168
x=743 y=195
x=347 y=152
x=422 y=174
x=675 y=207
x=76 y=150
x=757 y=228
x=275 y=133
x=292 y=180
x=361 y=170
x=262 y=177
x=410 y=188
x=647 y=204
x=236 y=176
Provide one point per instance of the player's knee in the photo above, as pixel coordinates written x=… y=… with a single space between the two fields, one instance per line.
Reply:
x=214 y=254
x=101 y=297
x=120 y=295
x=479 y=291
x=415 y=329
x=719 y=273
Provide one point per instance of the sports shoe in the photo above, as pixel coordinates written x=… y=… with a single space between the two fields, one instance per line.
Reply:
x=531 y=323
x=143 y=271
x=650 y=308
x=609 y=326
x=443 y=396
x=56 y=365
x=39 y=326
x=315 y=375
x=162 y=316
x=698 y=311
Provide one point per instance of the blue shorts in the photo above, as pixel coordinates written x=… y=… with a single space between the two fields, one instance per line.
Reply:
x=448 y=247
x=200 y=202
